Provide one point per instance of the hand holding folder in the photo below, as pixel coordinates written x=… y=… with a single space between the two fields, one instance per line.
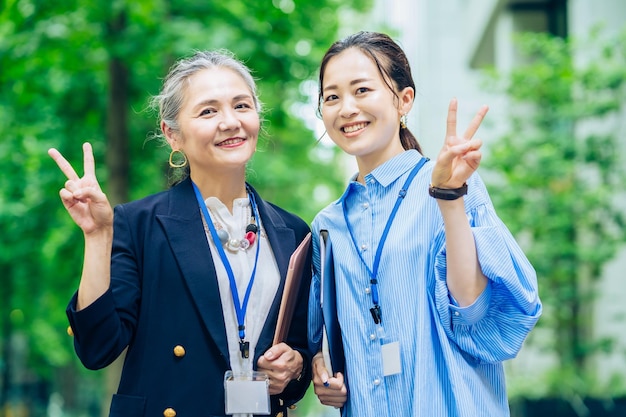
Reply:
x=292 y=286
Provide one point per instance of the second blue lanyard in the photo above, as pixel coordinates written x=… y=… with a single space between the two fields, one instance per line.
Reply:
x=376 y=310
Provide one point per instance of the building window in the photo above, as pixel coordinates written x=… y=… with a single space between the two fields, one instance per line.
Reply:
x=517 y=16
x=539 y=16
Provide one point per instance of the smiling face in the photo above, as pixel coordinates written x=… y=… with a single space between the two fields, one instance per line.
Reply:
x=219 y=124
x=360 y=112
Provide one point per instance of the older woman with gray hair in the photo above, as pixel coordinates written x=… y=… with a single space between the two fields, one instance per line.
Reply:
x=190 y=280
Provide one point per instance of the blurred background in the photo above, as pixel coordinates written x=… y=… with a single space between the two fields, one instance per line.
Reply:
x=552 y=72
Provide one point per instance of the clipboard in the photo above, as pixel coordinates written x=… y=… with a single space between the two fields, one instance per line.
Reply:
x=323 y=277
x=332 y=345
x=290 y=292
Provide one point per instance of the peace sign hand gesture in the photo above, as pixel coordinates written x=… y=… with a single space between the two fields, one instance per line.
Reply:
x=82 y=197
x=460 y=156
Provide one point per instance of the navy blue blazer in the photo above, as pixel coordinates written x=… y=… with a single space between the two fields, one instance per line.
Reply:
x=164 y=305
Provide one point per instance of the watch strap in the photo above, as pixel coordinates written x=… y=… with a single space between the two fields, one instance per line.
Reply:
x=447 y=193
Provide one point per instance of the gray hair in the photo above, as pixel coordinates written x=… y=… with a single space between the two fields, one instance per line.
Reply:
x=170 y=100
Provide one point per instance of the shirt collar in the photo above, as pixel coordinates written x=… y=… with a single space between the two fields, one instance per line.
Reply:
x=387 y=172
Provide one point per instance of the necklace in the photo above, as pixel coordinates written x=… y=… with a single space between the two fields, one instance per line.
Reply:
x=234 y=244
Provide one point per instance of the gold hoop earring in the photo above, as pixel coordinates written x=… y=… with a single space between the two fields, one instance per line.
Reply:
x=403 y=121
x=179 y=164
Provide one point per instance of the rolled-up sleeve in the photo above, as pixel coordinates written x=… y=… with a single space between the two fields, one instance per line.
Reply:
x=494 y=327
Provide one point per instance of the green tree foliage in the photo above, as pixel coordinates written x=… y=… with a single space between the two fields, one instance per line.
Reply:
x=561 y=186
x=78 y=70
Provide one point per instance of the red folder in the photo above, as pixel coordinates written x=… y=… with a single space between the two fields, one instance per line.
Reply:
x=292 y=286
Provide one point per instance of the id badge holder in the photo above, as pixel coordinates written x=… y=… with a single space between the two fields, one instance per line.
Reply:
x=247 y=393
x=390 y=351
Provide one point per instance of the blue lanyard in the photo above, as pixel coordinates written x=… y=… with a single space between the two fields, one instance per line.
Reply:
x=240 y=309
x=375 y=310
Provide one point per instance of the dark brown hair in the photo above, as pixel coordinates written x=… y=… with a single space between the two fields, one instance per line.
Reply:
x=392 y=64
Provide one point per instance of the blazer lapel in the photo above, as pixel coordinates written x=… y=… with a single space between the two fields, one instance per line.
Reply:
x=185 y=232
x=283 y=242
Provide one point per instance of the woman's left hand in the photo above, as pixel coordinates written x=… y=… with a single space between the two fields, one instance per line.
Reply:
x=460 y=156
x=282 y=364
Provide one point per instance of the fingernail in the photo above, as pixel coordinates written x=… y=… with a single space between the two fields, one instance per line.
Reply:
x=326 y=384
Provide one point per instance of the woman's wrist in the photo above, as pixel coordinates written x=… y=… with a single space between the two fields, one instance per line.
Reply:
x=102 y=234
x=299 y=373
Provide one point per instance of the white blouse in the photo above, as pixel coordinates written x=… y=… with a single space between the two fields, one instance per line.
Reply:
x=266 y=281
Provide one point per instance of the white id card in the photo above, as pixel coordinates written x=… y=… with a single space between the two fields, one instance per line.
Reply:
x=247 y=393
x=391 y=358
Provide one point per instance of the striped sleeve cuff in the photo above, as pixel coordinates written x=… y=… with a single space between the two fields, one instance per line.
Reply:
x=472 y=313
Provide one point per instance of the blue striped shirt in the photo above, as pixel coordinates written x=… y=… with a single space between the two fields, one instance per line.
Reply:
x=451 y=356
